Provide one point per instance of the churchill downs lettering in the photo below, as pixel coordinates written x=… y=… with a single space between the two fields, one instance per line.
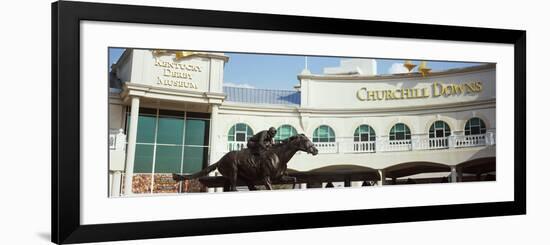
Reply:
x=177 y=74
x=437 y=89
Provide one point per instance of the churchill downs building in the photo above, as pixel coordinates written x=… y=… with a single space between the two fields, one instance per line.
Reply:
x=169 y=112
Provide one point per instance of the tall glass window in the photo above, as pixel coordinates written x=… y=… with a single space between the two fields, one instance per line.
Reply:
x=169 y=142
x=439 y=129
x=240 y=132
x=400 y=131
x=475 y=126
x=284 y=132
x=324 y=133
x=364 y=133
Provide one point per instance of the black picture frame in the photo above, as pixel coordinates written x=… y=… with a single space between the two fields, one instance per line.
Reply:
x=65 y=169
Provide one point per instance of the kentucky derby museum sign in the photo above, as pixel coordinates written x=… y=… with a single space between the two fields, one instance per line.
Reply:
x=179 y=70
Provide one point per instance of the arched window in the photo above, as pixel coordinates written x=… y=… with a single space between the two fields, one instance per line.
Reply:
x=439 y=129
x=324 y=133
x=240 y=132
x=364 y=133
x=400 y=131
x=475 y=126
x=284 y=132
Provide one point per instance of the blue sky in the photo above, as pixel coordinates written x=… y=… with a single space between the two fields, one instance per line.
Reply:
x=280 y=71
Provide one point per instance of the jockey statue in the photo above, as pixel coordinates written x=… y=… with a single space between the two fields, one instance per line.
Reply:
x=260 y=142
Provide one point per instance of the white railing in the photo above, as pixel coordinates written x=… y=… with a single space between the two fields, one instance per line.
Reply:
x=235 y=145
x=366 y=146
x=438 y=143
x=326 y=147
x=358 y=147
x=382 y=144
x=398 y=145
x=430 y=143
x=473 y=140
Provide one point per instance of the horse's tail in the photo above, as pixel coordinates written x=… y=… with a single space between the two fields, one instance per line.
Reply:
x=180 y=177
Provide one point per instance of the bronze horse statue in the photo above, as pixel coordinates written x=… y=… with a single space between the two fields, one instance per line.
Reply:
x=250 y=168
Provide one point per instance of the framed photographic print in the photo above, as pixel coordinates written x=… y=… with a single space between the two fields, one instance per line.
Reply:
x=175 y=122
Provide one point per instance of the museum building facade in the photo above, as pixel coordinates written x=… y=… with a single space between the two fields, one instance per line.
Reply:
x=169 y=112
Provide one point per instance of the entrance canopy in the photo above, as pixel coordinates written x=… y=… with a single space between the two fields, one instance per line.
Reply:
x=478 y=166
x=412 y=168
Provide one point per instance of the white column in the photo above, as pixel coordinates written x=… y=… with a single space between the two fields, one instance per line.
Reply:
x=382 y=177
x=454 y=177
x=489 y=138
x=214 y=142
x=131 y=150
x=380 y=144
x=452 y=140
x=115 y=188
x=303 y=186
x=110 y=183
x=419 y=142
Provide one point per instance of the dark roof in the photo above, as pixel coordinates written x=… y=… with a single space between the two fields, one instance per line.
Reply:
x=262 y=96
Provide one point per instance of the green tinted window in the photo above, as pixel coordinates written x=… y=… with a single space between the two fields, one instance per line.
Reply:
x=171 y=134
x=475 y=126
x=168 y=159
x=231 y=134
x=249 y=132
x=323 y=134
x=240 y=132
x=364 y=133
x=146 y=129
x=241 y=127
x=170 y=131
x=143 y=162
x=284 y=132
x=439 y=129
x=193 y=158
x=195 y=132
x=400 y=131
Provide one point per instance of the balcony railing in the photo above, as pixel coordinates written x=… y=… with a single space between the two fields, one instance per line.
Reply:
x=235 y=145
x=357 y=147
x=369 y=146
x=438 y=143
x=326 y=147
x=398 y=145
x=385 y=145
x=473 y=140
x=431 y=143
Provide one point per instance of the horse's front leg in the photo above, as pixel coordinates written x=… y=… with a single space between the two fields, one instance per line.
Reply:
x=286 y=178
x=267 y=183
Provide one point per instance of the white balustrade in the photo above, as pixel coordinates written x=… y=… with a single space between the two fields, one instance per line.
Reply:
x=235 y=145
x=366 y=146
x=358 y=147
x=438 y=143
x=398 y=145
x=418 y=142
x=326 y=147
x=470 y=140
